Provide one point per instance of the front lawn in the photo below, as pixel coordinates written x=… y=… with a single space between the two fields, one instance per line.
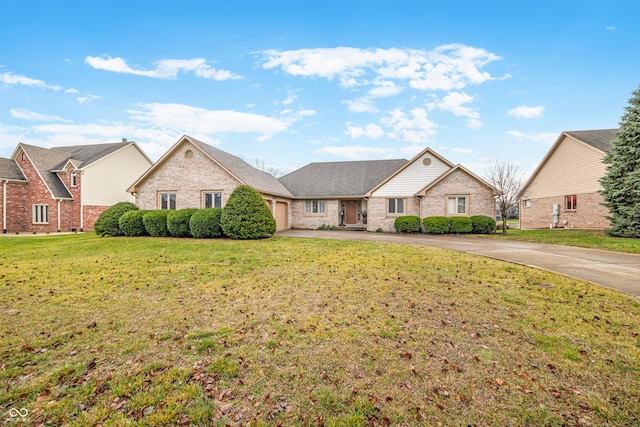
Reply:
x=595 y=239
x=162 y=331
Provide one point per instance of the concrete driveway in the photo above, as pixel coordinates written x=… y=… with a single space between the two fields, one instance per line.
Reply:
x=613 y=270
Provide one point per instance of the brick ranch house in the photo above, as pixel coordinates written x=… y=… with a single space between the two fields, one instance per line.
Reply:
x=66 y=188
x=358 y=194
x=563 y=191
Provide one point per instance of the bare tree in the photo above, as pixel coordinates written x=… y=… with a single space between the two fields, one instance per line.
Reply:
x=508 y=178
x=261 y=165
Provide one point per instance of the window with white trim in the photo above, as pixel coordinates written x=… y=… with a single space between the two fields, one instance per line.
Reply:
x=314 y=207
x=457 y=205
x=571 y=202
x=73 y=177
x=40 y=214
x=527 y=203
x=395 y=206
x=211 y=199
x=168 y=201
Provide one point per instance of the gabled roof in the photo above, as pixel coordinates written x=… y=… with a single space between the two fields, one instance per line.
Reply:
x=235 y=166
x=9 y=170
x=336 y=179
x=600 y=139
x=451 y=171
x=48 y=161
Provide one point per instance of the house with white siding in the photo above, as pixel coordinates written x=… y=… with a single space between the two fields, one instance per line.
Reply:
x=66 y=188
x=355 y=194
x=564 y=190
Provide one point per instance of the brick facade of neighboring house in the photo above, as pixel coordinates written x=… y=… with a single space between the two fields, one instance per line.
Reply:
x=46 y=190
x=564 y=190
x=356 y=195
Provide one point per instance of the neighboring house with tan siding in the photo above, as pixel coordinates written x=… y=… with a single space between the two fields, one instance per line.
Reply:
x=358 y=194
x=66 y=188
x=564 y=190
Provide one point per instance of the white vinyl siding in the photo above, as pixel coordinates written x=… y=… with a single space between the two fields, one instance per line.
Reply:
x=105 y=182
x=414 y=178
x=573 y=168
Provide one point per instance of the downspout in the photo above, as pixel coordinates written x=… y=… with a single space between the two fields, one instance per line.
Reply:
x=59 y=214
x=420 y=211
x=4 y=206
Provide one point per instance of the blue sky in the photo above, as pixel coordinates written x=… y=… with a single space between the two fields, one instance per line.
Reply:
x=293 y=82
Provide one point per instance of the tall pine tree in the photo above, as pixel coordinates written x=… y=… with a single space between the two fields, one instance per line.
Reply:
x=621 y=183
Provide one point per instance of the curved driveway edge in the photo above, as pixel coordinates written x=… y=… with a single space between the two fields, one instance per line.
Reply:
x=615 y=270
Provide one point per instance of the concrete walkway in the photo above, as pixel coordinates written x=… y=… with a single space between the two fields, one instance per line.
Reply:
x=613 y=270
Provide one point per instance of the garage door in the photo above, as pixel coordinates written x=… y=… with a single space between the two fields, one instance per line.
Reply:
x=282 y=216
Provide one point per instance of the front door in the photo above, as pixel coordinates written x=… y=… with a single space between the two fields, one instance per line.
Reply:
x=351 y=214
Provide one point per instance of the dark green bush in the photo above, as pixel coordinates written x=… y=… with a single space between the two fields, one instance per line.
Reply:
x=131 y=223
x=155 y=222
x=246 y=215
x=205 y=223
x=108 y=223
x=483 y=224
x=436 y=224
x=407 y=224
x=461 y=224
x=178 y=222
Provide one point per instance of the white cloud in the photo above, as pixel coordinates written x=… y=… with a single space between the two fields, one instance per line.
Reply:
x=362 y=105
x=454 y=103
x=524 y=112
x=447 y=67
x=23 y=114
x=15 y=79
x=385 y=89
x=165 y=68
x=461 y=150
x=371 y=130
x=611 y=28
x=416 y=128
x=87 y=98
x=353 y=152
x=545 y=138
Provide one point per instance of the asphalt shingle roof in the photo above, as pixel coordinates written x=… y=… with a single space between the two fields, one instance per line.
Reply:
x=261 y=181
x=599 y=139
x=340 y=178
x=10 y=170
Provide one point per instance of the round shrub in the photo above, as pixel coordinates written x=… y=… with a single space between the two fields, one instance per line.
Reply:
x=131 y=223
x=205 y=223
x=407 y=224
x=246 y=215
x=155 y=222
x=178 y=222
x=483 y=224
x=436 y=224
x=461 y=224
x=108 y=223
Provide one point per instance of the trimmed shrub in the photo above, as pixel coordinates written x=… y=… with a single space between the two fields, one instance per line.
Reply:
x=461 y=224
x=108 y=223
x=246 y=215
x=205 y=223
x=131 y=223
x=407 y=224
x=436 y=224
x=483 y=224
x=155 y=222
x=178 y=222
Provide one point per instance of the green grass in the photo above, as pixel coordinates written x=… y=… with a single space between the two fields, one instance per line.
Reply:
x=160 y=331
x=595 y=239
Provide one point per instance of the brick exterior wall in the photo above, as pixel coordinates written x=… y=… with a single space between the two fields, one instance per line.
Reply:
x=301 y=219
x=18 y=215
x=90 y=215
x=589 y=213
x=186 y=176
x=377 y=216
x=480 y=197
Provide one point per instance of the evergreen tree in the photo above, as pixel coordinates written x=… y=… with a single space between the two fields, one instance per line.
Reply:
x=621 y=183
x=246 y=215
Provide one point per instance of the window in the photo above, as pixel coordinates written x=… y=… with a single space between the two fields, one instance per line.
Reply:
x=212 y=200
x=41 y=214
x=527 y=203
x=571 y=202
x=167 y=201
x=396 y=206
x=314 y=207
x=74 y=178
x=457 y=205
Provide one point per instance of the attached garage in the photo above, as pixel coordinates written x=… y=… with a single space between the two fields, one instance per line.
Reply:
x=282 y=215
